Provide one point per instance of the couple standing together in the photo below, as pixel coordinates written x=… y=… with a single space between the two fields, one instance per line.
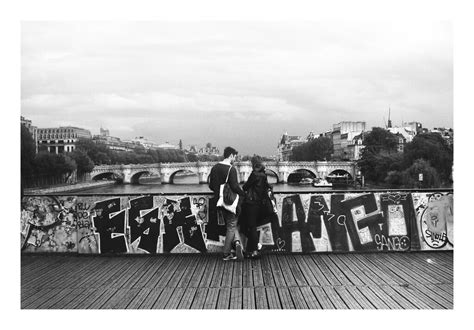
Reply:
x=251 y=199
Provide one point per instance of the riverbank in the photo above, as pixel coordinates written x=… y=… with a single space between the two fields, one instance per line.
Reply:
x=69 y=188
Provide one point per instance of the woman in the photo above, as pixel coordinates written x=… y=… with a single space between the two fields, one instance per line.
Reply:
x=256 y=189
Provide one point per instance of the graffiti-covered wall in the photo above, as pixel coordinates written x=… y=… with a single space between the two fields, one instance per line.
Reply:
x=319 y=222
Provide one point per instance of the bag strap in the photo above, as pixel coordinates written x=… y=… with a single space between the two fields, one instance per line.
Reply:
x=227 y=178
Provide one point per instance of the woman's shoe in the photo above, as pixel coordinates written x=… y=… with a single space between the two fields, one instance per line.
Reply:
x=255 y=255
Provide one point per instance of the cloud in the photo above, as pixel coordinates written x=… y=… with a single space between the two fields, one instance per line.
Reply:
x=270 y=77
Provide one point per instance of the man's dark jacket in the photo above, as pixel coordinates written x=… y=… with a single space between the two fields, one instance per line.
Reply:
x=217 y=177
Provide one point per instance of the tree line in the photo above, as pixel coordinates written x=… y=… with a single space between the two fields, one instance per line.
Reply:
x=382 y=164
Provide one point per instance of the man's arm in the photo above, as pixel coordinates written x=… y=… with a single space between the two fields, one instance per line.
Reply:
x=234 y=185
x=211 y=179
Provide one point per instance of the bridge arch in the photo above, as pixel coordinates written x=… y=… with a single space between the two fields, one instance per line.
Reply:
x=111 y=175
x=135 y=177
x=190 y=172
x=272 y=173
x=341 y=172
x=296 y=175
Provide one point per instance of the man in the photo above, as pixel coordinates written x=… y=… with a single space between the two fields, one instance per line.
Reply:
x=217 y=177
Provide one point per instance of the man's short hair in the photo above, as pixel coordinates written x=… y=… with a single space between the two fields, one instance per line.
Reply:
x=229 y=151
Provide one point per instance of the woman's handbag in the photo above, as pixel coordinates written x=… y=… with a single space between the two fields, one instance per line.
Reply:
x=227 y=198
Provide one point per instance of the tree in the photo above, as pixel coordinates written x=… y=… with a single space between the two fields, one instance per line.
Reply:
x=83 y=162
x=180 y=144
x=380 y=155
x=51 y=165
x=28 y=151
x=435 y=150
x=314 y=150
x=431 y=177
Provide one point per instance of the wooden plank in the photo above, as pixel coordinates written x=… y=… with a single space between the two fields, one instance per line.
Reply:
x=401 y=300
x=129 y=275
x=363 y=271
x=227 y=273
x=336 y=300
x=188 y=272
x=312 y=273
x=267 y=273
x=203 y=261
x=38 y=303
x=367 y=298
x=257 y=272
x=444 y=289
x=224 y=298
x=146 y=274
x=208 y=275
x=83 y=295
x=276 y=271
x=165 y=295
x=248 y=298
x=322 y=297
x=140 y=298
x=56 y=299
x=379 y=270
x=334 y=269
x=285 y=298
x=175 y=298
x=35 y=277
x=93 y=295
x=286 y=271
x=293 y=264
x=408 y=273
x=217 y=274
x=38 y=294
x=352 y=301
x=103 y=298
x=419 y=303
x=297 y=297
x=327 y=273
x=432 y=269
x=432 y=298
x=211 y=298
x=387 y=299
x=166 y=266
x=236 y=297
x=114 y=300
x=353 y=274
x=247 y=273
x=309 y=298
x=199 y=298
x=148 y=298
x=261 y=298
x=172 y=275
x=72 y=295
x=272 y=298
x=187 y=299
x=237 y=274
x=126 y=299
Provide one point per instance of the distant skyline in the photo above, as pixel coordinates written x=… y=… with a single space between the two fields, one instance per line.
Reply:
x=234 y=83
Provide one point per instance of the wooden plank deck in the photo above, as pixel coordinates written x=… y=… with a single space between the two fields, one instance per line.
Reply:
x=416 y=280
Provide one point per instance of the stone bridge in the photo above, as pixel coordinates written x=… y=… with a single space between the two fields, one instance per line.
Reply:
x=167 y=171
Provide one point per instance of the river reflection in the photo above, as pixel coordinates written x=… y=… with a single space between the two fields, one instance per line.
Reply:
x=184 y=184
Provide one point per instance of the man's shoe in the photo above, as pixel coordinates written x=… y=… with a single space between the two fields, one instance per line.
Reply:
x=239 y=251
x=229 y=256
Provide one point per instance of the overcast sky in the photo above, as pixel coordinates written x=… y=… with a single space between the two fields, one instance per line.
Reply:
x=234 y=83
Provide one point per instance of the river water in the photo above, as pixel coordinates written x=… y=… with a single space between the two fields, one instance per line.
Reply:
x=185 y=184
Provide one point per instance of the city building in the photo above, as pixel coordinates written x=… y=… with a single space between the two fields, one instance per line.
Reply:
x=113 y=143
x=168 y=145
x=342 y=135
x=286 y=145
x=32 y=129
x=446 y=133
x=60 y=139
x=147 y=144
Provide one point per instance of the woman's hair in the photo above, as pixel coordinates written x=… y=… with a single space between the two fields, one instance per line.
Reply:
x=257 y=164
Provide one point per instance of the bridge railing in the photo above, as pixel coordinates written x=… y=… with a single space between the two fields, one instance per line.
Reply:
x=305 y=222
